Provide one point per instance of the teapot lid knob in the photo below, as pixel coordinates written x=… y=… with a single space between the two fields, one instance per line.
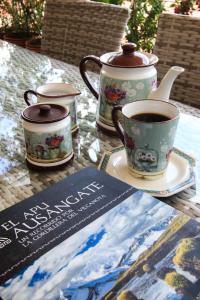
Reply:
x=129 y=48
x=128 y=57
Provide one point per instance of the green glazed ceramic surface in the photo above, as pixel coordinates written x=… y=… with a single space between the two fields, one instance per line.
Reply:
x=48 y=147
x=116 y=91
x=148 y=145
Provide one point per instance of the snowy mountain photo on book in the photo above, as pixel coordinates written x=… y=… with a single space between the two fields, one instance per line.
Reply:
x=138 y=248
x=141 y=249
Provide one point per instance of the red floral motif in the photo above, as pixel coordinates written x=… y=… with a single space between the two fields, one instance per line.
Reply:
x=114 y=94
x=129 y=142
x=54 y=141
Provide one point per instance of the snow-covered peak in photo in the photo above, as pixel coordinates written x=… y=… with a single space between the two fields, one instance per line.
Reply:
x=94 y=257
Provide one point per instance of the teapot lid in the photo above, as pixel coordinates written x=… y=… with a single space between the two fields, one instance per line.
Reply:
x=129 y=57
x=45 y=113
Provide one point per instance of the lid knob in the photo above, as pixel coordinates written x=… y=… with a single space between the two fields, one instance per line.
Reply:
x=45 y=110
x=129 y=48
x=128 y=57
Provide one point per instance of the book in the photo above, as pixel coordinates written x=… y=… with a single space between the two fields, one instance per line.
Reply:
x=90 y=237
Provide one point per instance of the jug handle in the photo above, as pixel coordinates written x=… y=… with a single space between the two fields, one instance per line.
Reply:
x=84 y=74
x=26 y=96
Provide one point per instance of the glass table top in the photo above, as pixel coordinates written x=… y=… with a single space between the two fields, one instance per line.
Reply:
x=20 y=70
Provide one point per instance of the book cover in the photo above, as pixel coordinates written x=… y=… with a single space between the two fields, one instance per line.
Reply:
x=93 y=237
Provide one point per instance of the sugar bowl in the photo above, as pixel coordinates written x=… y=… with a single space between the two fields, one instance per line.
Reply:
x=58 y=93
x=47 y=132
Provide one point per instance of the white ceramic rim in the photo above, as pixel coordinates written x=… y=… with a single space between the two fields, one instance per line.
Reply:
x=70 y=90
x=151 y=106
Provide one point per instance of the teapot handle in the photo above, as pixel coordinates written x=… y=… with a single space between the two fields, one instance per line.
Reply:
x=26 y=98
x=84 y=74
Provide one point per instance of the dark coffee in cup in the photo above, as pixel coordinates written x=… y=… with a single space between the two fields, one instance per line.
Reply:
x=150 y=117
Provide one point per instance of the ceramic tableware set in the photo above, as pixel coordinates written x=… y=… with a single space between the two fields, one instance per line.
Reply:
x=131 y=105
x=126 y=76
x=49 y=124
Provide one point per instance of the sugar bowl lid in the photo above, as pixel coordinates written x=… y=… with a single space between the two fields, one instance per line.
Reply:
x=45 y=113
x=129 y=57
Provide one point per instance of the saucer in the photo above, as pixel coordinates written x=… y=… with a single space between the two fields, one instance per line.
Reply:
x=179 y=175
x=106 y=127
x=50 y=164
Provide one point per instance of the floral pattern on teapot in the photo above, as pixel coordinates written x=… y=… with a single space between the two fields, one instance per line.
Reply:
x=116 y=91
x=113 y=94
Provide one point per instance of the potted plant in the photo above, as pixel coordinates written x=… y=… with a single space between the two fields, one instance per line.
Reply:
x=34 y=43
x=4 y=23
x=142 y=25
x=24 y=19
x=117 y=2
x=184 y=7
x=18 y=19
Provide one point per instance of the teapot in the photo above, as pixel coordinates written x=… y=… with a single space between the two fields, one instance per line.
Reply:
x=126 y=76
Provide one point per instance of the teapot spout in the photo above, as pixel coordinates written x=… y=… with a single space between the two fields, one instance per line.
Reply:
x=164 y=89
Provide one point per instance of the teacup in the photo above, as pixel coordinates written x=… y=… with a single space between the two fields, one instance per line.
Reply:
x=147 y=129
x=57 y=93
